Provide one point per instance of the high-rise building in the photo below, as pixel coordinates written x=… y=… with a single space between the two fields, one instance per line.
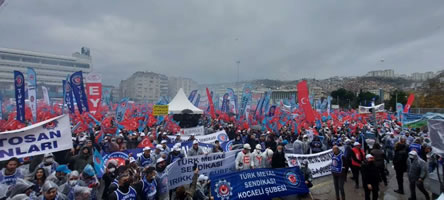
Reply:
x=144 y=87
x=51 y=69
x=388 y=73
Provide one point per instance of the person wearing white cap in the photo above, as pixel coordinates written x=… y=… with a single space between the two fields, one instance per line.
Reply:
x=357 y=158
x=201 y=187
x=178 y=139
x=258 y=158
x=243 y=159
x=174 y=155
x=157 y=152
x=162 y=179
x=389 y=146
x=416 y=173
x=166 y=149
x=146 y=159
x=370 y=178
x=195 y=150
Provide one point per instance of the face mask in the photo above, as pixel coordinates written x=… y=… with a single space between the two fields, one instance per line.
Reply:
x=49 y=160
x=126 y=184
x=72 y=182
x=258 y=150
x=112 y=169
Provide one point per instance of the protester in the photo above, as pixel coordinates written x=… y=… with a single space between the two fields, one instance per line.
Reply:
x=60 y=176
x=145 y=159
x=124 y=191
x=243 y=159
x=278 y=160
x=79 y=161
x=38 y=179
x=147 y=187
x=50 y=192
x=370 y=178
x=10 y=174
x=417 y=173
x=308 y=177
x=258 y=158
x=399 y=163
x=358 y=157
x=379 y=159
x=48 y=163
x=195 y=150
x=338 y=170
x=202 y=189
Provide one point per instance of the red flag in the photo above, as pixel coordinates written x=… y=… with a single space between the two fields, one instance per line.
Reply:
x=145 y=143
x=210 y=101
x=304 y=101
x=409 y=103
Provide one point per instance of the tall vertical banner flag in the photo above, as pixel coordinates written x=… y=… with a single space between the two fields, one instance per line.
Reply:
x=232 y=100
x=409 y=103
x=93 y=85
x=225 y=101
x=304 y=101
x=1 y=106
x=399 y=111
x=210 y=101
x=19 y=85
x=328 y=104
x=197 y=101
x=78 y=90
x=46 y=95
x=106 y=96
x=32 y=94
x=192 y=95
x=67 y=96
x=266 y=104
x=121 y=109
x=246 y=98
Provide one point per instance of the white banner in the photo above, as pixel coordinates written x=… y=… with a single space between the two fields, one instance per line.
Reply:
x=181 y=171
x=44 y=137
x=319 y=163
x=199 y=130
x=209 y=139
x=32 y=96
x=45 y=95
x=366 y=110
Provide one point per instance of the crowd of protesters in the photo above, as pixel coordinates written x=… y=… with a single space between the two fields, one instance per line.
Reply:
x=365 y=151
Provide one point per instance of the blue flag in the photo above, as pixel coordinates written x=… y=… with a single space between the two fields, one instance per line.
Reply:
x=1 y=106
x=197 y=101
x=67 y=96
x=246 y=98
x=78 y=89
x=258 y=184
x=121 y=109
x=192 y=95
x=19 y=85
x=99 y=165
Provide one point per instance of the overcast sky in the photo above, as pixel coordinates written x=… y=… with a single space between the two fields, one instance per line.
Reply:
x=203 y=39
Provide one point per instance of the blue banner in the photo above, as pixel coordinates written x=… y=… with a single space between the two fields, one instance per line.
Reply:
x=246 y=98
x=1 y=106
x=121 y=109
x=19 y=85
x=67 y=94
x=232 y=100
x=106 y=95
x=266 y=103
x=225 y=101
x=78 y=90
x=258 y=184
x=197 y=100
x=192 y=95
x=99 y=165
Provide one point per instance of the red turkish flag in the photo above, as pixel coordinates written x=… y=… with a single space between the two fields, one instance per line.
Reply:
x=304 y=101
x=145 y=143
x=409 y=103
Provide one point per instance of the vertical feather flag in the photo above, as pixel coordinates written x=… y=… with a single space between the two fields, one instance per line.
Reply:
x=78 y=90
x=210 y=102
x=99 y=166
x=19 y=85
x=303 y=100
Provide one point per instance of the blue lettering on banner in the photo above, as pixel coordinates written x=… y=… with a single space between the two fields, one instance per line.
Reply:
x=258 y=183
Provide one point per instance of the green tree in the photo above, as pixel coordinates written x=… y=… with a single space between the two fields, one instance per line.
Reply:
x=365 y=98
x=398 y=95
x=344 y=97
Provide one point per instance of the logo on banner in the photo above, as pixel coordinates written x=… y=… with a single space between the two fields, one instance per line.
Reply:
x=222 y=138
x=19 y=80
x=120 y=157
x=31 y=77
x=93 y=77
x=292 y=178
x=51 y=125
x=294 y=162
x=76 y=79
x=223 y=189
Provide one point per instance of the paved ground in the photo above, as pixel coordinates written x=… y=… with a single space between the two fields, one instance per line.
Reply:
x=323 y=189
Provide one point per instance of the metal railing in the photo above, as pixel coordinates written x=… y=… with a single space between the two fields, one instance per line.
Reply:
x=426 y=110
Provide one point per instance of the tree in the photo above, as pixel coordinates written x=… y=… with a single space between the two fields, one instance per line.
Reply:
x=365 y=98
x=399 y=95
x=344 y=96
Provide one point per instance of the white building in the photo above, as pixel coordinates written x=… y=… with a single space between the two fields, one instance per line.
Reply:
x=144 y=86
x=422 y=76
x=51 y=69
x=388 y=73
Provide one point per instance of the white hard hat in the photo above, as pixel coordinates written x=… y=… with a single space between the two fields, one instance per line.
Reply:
x=163 y=142
x=202 y=178
x=368 y=156
x=160 y=160
x=356 y=144
x=146 y=149
x=159 y=147
x=195 y=142
x=247 y=146
x=258 y=146
x=142 y=134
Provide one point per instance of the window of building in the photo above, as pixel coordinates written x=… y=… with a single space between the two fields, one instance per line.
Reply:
x=82 y=65
x=50 y=62
x=32 y=60
x=68 y=64
x=14 y=58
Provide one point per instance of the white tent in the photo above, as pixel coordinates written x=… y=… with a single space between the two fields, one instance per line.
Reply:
x=180 y=103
